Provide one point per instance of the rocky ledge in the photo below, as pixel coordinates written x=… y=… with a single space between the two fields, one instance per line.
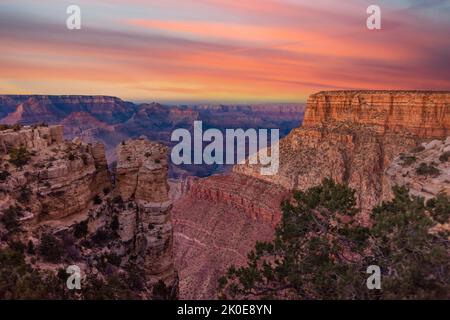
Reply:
x=58 y=201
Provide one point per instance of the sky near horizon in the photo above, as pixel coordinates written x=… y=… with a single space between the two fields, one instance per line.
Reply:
x=239 y=51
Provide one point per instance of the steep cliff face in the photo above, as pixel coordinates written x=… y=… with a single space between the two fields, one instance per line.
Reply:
x=62 y=191
x=30 y=137
x=352 y=137
x=422 y=113
x=217 y=220
x=142 y=178
x=61 y=178
x=52 y=109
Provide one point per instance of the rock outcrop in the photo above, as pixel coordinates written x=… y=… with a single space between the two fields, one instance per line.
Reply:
x=352 y=137
x=141 y=177
x=30 y=137
x=62 y=178
x=62 y=190
x=421 y=113
x=31 y=109
x=425 y=171
x=142 y=171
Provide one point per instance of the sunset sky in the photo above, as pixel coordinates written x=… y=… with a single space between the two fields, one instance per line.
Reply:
x=222 y=50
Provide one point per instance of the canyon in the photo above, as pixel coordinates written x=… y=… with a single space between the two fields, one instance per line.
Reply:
x=111 y=120
x=186 y=225
x=350 y=136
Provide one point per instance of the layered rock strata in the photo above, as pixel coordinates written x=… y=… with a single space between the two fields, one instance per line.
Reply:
x=217 y=221
x=142 y=178
x=352 y=137
x=64 y=189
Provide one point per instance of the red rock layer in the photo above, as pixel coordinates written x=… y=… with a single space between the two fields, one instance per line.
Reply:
x=216 y=223
x=423 y=113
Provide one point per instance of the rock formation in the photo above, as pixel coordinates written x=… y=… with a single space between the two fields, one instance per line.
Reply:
x=141 y=177
x=425 y=171
x=111 y=120
x=63 y=177
x=350 y=136
x=63 y=190
x=217 y=220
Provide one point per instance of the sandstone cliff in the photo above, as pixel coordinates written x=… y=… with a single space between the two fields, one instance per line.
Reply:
x=141 y=177
x=217 y=220
x=62 y=178
x=352 y=137
x=57 y=196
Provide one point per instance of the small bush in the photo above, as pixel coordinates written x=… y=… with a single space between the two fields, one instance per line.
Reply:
x=17 y=246
x=408 y=160
x=115 y=223
x=161 y=291
x=10 y=218
x=30 y=248
x=418 y=149
x=51 y=248
x=118 y=200
x=440 y=208
x=81 y=229
x=427 y=170
x=71 y=157
x=114 y=259
x=44 y=213
x=19 y=156
x=4 y=175
x=85 y=159
x=97 y=200
x=100 y=237
x=445 y=156
x=106 y=191
x=25 y=195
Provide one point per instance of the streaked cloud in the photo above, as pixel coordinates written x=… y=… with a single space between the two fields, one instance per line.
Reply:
x=220 y=50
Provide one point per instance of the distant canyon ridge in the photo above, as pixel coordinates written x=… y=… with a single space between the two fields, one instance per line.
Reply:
x=111 y=120
x=369 y=140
